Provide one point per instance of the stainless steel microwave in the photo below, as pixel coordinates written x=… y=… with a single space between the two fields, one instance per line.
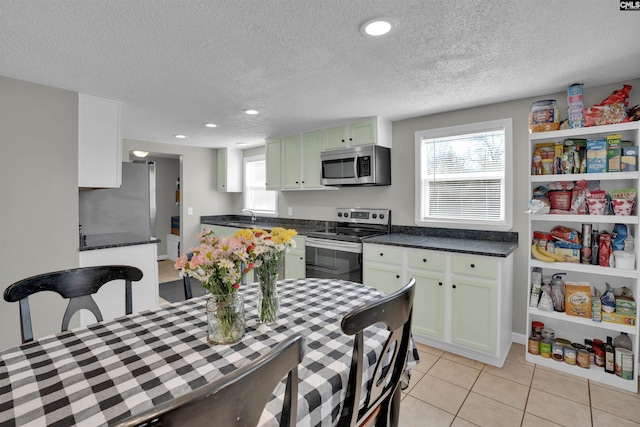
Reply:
x=361 y=165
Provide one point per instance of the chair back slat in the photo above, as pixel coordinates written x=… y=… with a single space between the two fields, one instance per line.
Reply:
x=76 y=285
x=382 y=393
x=236 y=399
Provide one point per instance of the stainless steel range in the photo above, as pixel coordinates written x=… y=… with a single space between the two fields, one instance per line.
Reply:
x=338 y=253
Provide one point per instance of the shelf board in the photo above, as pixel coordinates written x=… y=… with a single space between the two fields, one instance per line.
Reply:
x=594 y=373
x=585 y=268
x=631 y=330
x=598 y=219
x=587 y=131
x=606 y=176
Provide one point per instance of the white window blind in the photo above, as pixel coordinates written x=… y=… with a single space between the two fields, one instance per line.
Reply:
x=461 y=175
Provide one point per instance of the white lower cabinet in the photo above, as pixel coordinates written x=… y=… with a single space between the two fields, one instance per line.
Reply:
x=462 y=302
x=110 y=297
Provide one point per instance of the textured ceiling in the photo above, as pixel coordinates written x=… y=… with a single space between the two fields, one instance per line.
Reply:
x=304 y=64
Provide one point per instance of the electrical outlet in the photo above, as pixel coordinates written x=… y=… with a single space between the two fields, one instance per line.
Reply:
x=189 y=211
x=290 y=211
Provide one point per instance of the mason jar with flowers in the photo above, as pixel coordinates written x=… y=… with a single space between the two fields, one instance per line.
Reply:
x=220 y=263
x=268 y=250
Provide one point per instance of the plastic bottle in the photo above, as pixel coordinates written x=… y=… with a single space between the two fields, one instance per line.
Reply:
x=609 y=357
x=623 y=341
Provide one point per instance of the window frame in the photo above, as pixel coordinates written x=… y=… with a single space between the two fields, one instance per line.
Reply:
x=507 y=223
x=245 y=193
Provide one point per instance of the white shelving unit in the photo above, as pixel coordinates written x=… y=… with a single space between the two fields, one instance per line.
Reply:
x=575 y=328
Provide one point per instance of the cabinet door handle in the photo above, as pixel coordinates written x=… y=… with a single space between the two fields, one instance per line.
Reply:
x=381 y=254
x=297 y=182
x=439 y=283
x=424 y=260
x=303 y=182
x=454 y=286
x=473 y=266
x=397 y=276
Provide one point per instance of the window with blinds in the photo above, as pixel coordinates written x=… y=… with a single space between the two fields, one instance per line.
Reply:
x=462 y=175
x=256 y=197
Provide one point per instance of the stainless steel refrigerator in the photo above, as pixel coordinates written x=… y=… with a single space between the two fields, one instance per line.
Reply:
x=130 y=208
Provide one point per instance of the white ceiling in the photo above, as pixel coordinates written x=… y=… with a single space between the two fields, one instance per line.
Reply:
x=304 y=64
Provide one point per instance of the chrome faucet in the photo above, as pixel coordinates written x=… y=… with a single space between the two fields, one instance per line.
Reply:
x=253 y=217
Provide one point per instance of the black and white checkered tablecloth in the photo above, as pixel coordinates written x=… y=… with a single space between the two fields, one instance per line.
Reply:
x=105 y=372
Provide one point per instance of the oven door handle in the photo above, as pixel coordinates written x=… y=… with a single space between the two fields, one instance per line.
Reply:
x=336 y=245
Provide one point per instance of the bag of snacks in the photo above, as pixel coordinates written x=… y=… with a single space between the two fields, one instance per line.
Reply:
x=597 y=202
x=612 y=110
x=566 y=234
x=578 y=299
x=623 y=201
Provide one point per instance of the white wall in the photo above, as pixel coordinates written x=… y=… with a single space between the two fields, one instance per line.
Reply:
x=38 y=197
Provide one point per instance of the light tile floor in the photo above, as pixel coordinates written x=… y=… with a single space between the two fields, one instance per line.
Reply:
x=449 y=390
x=166 y=272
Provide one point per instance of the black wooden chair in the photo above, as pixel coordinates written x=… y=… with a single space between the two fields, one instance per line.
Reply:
x=382 y=402
x=238 y=398
x=77 y=285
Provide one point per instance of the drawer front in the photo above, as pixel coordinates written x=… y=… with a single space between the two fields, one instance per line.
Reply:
x=382 y=253
x=476 y=267
x=428 y=260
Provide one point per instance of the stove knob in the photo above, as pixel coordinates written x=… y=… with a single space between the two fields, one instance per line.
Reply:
x=381 y=216
x=339 y=214
x=374 y=216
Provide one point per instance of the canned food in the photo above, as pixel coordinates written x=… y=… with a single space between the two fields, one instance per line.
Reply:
x=534 y=345
x=548 y=334
x=624 y=363
x=563 y=341
x=557 y=351
x=570 y=355
x=536 y=329
x=578 y=346
x=583 y=359
x=545 y=348
x=599 y=356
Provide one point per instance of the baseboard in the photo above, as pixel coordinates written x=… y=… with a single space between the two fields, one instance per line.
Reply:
x=519 y=338
x=162 y=257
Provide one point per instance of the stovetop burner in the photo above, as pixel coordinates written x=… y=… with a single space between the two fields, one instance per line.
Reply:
x=354 y=224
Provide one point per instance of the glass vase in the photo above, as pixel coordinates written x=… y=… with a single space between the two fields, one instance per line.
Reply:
x=225 y=318
x=268 y=300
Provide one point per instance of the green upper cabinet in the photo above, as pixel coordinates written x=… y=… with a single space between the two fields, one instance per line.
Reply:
x=363 y=133
x=335 y=138
x=371 y=130
x=229 y=173
x=311 y=148
x=291 y=151
x=274 y=164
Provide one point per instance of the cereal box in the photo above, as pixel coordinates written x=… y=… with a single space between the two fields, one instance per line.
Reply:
x=629 y=159
x=577 y=300
x=596 y=155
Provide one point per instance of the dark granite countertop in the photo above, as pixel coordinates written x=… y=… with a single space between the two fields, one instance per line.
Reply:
x=488 y=243
x=449 y=244
x=114 y=240
x=302 y=226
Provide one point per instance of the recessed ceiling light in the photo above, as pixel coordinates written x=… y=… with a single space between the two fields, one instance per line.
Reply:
x=241 y=143
x=180 y=136
x=251 y=112
x=140 y=153
x=376 y=27
x=211 y=125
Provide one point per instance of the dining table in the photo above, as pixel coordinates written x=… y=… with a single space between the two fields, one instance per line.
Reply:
x=103 y=373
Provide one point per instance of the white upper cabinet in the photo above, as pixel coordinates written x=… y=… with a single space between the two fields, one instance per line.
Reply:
x=373 y=130
x=301 y=157
x=99 y=143
x=229 y=170
x=274 y=164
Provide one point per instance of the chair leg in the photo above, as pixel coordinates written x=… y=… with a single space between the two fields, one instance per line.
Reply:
x=394 y=409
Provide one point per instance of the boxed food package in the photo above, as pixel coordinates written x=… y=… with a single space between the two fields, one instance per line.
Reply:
x=596 y=155
x=577 y=300
x=569 y=251
x=629 y=159
x=175 y=225
x=614 y=153
x=626 y=306
x=575 y=106
x=618 y=318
